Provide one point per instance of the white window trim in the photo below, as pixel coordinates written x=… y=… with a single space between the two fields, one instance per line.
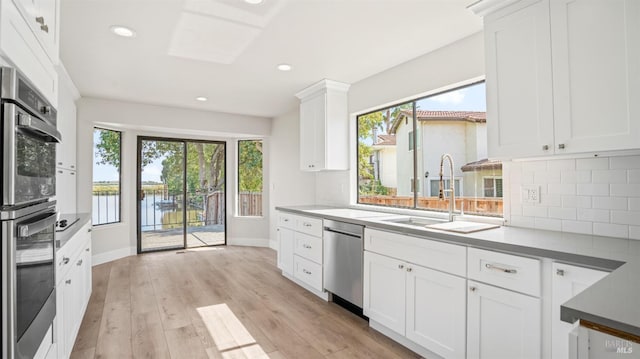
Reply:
x=494 y=178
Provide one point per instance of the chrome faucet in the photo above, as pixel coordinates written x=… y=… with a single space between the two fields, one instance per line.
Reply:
x=452 y=198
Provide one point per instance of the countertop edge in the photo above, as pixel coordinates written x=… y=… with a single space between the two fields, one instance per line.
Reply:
x=63 y=237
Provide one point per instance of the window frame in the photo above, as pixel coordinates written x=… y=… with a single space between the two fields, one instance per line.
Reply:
x=237 y=212
x=495 y=185
x=120 y=133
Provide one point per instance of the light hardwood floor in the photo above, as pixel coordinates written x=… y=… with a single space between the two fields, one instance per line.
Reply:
x=221 y=302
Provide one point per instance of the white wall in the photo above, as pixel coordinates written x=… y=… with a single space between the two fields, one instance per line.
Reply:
x=117 y=240
x=598 y=196
x=288 y=185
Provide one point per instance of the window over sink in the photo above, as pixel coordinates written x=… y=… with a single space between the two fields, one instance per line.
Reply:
x=400 y=147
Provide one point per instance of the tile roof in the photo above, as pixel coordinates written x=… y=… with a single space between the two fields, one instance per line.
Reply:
x=471 y=116
x=386 y=140
x=480 y=165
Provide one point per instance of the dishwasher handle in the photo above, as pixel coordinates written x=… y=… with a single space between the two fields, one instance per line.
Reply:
x=349 y=229
x=332 y=230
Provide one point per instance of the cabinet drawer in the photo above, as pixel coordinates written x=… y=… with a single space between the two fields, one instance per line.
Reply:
x=308 y=272
x=433 y=254
x=505 y=270
x=311 y=226
x=286 y=220
x=66 y=255
x=309 y=247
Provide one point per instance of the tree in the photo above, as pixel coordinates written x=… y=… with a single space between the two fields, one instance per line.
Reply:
x=250 y=166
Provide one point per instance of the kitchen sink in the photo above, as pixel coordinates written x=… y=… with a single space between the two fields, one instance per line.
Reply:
x=413 y=221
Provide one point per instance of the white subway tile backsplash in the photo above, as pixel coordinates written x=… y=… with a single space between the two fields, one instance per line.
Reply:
x=577 y=227
x=521 y=221
x=550 y=200
x=593 y=189
x=625 y=217
x=611 y=230
x=593 y=215
x=625 y=189
x=592 y=163
x=549 y=224
x=634 y=176
x=609 y=176
x=527 y=177
x=562 y=188
x=562 y=213
x=620 y=203
x=634 y=204
x=534 y=166
x=582 y=176
x=560 y=165
x=534 y=211
x=625 y=162
x=547 y=177
x=634 y=232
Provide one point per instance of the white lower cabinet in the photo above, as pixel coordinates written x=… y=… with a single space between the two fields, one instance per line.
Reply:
x=424 y=305
x=286 y=244
x=502 y=323
x=567 y=281
x=73 y=289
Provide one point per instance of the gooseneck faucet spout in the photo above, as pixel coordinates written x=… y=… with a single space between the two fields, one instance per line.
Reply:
x=452 y=196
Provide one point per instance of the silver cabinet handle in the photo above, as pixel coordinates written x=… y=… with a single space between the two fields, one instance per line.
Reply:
x=307 y=224
x=72 y=166
x=72 y=173
x=65 y=260
x=40 y=20
x=59 y=163
x=89 y=230
x=409 y=269
x=545 y=148
x=400 y=266
x=473 y=289
x=560 y=272
x=306 y=246
x=79 y=263
x=87 y=250
x=59 y=171
x=306 y=271
x=561 y=146
x=68 y=281
x=504 y=270
x=286 y=220
x=44 y=28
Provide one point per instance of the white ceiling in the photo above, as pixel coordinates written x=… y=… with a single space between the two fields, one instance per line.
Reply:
x=228 y=50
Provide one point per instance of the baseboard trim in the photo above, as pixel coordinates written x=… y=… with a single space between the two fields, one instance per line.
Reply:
x=105 y=257
x=252 y=242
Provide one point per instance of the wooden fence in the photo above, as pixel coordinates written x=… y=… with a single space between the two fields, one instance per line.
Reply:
x=249 y=204
x=481 y=206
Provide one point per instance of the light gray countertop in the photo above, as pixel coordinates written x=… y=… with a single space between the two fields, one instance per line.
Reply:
x=611 y=302
x=63 y=237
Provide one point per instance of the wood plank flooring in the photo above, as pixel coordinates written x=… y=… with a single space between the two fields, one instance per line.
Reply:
x=221 y=302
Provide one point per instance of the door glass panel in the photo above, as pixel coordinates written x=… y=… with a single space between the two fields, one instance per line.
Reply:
x=205 y=194
x=161 y=197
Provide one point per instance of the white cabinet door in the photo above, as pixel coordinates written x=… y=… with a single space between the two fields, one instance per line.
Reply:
x=596 y=74
x=502 y=323
x=519 y=81
x=66 y=150
x=286 y=245
x=567 y=281
x=385 y=291
x=436 y=311
x=66 y=190
x=49 y=11
x=312 y=133
x=70 y=308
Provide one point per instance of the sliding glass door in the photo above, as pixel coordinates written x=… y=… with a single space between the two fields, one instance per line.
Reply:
x=181 y=194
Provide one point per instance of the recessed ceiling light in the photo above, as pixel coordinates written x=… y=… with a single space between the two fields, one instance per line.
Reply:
x=284 y=67
x=201 y=98
x=122 y=31
x=254 y=2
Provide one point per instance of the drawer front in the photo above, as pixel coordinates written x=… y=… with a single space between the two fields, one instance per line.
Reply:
x=66 y=256
x=508 y=271
x=307 y=272
x=432 y=254
x=286 y=220
x=310 y=226
x=308 y=247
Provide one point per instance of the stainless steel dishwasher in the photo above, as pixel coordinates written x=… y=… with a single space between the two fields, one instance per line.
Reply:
x=343 y=251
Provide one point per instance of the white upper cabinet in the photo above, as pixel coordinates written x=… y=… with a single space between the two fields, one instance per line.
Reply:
x=562 y=76
x=519 y=95
x=42 y=16
x=324 y=127
x=596 y=74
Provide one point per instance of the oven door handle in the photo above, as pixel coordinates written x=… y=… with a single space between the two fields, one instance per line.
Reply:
x=40 y=127
x=29 y=229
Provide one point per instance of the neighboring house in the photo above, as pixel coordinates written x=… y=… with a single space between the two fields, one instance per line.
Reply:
x=462 y=134
x=384 y=161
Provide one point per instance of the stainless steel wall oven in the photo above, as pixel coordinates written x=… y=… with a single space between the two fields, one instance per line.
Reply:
x=27 y=215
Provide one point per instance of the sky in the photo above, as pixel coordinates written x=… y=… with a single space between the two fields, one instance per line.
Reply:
x=470 y=98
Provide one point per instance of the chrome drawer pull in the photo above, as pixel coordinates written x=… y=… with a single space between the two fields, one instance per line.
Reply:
x=560 y=272
x=65 y=260
x=505 y=270
x=306 y=271
x=307 y=224
x=306 y=246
